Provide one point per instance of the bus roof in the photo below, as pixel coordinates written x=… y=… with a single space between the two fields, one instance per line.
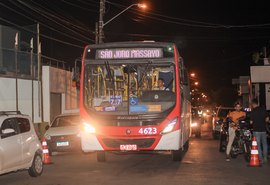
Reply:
x=130 y=44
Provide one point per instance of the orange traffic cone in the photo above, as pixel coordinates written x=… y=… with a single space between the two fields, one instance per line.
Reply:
x=46 y=156
x=254 y=157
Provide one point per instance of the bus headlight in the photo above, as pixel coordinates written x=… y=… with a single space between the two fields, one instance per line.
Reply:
x=169 y=127
x=88 y=128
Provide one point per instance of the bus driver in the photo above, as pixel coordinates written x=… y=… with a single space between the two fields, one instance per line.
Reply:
x=161 y=85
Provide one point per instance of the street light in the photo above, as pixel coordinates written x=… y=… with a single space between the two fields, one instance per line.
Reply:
x=196 y=83
x=101 y=26
x=143 y=6
x=192 y=75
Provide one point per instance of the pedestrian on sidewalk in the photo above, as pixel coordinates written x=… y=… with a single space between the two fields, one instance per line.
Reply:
x=259 y=119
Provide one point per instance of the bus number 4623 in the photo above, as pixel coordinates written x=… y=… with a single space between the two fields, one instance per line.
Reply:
x=148 y=131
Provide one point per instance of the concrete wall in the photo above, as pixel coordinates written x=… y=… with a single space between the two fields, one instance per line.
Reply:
x=54 y=81
x=58 y=81
x=8 y=96
x=46 y=92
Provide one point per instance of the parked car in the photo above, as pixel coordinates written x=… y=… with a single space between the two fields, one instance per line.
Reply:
x=218 y=119
x=63 y=134
x=20 y=147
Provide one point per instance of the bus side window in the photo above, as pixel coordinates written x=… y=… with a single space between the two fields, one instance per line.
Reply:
x=183 y=74
x=185 y=78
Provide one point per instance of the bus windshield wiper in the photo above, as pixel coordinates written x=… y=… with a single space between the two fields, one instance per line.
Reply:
x=111 y=79
x=144 y=74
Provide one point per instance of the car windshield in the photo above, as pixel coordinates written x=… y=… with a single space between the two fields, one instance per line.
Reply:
x=143 y=88
x=64 y=121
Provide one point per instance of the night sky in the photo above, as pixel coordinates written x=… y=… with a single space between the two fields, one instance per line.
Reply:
x=215 y=38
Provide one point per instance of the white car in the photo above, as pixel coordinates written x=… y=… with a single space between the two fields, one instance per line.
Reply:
x=63 y=134
x=20 y=147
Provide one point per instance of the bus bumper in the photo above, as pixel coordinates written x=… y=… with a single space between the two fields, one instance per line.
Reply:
x=170 y=141
x=90 y=143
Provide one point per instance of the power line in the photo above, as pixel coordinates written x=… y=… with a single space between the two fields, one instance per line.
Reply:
x=64 y=19
x=193 y=38
x=190 y=23
x=83 y=8
x=37 y=10
x=42 y=35
x=91 y=4
x=67 y=35
x=170 y=17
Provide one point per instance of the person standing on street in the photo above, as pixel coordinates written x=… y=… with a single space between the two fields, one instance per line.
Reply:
x=259 y=119
x=234 y=116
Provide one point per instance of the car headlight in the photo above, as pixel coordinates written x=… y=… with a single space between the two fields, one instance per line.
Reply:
x=195 y=124
x=47 y=137
x=169 y=127
x=88 y=128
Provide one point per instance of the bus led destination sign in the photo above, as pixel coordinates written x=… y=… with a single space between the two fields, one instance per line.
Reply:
x=129 y=53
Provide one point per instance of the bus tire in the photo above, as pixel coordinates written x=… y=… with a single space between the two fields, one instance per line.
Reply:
x=101 y=156
x=177 y=155
x=186 y=146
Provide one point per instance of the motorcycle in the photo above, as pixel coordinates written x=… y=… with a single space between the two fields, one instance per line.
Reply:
x=242 y=141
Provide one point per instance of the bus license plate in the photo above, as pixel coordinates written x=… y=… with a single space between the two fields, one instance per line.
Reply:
x=128 y=147
x=63 y=143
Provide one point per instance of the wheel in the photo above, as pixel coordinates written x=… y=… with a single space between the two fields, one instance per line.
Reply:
x=101 y=156
x=247 y=152
x=234 y=152
x=186 y=146
x=223 y=143
x=247 y=157
x=233 y=155
x=177 y=155
x=37 y=166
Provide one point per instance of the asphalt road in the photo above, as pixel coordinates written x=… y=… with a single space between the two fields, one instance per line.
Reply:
x=202 y=165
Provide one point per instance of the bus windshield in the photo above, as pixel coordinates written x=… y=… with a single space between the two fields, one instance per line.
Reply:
x=146 y=87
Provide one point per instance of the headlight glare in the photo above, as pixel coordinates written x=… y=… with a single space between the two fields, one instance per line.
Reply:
x=88 y=128
x=169 y=127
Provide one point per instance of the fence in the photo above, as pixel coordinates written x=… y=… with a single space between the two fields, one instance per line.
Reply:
x=24 y=64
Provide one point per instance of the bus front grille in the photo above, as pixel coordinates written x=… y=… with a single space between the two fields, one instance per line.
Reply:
x=125 y=123
x=141 y=143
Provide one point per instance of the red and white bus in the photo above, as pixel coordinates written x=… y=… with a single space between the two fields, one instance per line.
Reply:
x=121 y=104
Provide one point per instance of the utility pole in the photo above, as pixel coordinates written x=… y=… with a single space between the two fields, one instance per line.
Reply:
x=16 y=68
x=100 y=27
x=96 y=33
x=40 y=75
x=32 y=74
